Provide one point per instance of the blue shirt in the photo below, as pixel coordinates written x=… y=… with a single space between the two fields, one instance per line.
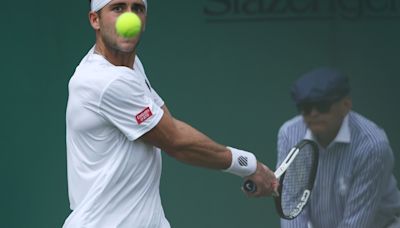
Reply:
x=354 y=186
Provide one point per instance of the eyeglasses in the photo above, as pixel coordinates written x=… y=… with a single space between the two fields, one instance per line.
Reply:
x=321 y=107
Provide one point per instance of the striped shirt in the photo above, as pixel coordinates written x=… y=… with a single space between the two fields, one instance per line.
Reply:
x=354 y=186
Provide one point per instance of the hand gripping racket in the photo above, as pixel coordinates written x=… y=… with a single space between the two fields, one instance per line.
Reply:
x=296 y=176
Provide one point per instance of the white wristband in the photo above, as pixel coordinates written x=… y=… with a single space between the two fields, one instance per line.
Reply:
x=243 y=163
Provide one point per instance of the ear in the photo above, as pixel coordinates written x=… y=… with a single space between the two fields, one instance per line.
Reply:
x=144 y=22
x=347 y=104
x=94 y=20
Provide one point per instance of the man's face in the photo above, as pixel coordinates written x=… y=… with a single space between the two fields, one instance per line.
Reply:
x=325 y=118
x=107 y=17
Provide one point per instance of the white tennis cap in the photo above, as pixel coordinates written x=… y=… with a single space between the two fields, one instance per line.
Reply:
x=97 y=5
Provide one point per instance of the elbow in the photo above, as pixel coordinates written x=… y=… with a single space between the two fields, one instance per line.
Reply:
x=176 y=149
x=172 y=153
x=174 y=141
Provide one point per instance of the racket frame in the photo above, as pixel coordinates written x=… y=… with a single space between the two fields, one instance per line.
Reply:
x=280 y=174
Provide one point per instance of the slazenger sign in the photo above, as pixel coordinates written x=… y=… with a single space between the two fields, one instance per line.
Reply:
x=231 y=10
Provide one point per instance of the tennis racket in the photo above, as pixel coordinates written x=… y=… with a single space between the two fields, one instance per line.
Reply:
x=296 y=176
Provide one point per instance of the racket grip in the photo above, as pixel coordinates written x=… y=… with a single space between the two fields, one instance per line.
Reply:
x=249 y=186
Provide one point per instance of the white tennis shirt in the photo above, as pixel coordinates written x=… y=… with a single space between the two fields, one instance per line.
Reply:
x=113 y=177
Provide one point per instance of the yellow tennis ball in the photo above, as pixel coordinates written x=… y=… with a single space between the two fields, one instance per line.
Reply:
x=128 y=25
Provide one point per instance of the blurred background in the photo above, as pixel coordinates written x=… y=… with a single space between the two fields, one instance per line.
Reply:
x=223 y=66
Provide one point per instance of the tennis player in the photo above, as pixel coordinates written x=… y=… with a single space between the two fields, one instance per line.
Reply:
x=354 y=187
x=116 y=125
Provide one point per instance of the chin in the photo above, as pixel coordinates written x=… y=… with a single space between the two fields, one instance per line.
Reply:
x=316 y=129
x=127 y=45
x=126 y=48
x=317 y=132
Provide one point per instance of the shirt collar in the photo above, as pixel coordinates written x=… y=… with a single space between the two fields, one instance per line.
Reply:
x=343 y=135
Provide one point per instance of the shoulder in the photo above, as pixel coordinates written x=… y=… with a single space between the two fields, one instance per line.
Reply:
x=92 y=82
x=124 y=87
x=368 y=137
x=96 y=73
x=292 y=131
x=294 y=124
x=366 y=130
x=88 y=81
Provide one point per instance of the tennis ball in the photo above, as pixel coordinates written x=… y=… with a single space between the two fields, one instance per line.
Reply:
x=128 y=25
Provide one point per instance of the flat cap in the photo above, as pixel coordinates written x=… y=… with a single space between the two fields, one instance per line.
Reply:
x=320 y=84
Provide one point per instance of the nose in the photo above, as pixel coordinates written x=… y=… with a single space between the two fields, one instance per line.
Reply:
x=129 y=9
x=313 y=112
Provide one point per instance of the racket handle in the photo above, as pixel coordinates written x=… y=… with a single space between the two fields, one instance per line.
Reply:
x=249 y=186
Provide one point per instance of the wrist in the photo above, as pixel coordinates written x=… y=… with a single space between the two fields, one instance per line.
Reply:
x=243 y=163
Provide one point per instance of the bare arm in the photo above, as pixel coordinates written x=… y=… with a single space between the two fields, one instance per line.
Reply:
x=188 y=145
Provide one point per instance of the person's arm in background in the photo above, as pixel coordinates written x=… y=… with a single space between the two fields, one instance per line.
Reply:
x=188 y=145
x=284 y=144
x=371 y=174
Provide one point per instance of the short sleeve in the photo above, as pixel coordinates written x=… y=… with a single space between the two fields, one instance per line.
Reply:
x=139 y=66
x=157 y=99
x=127 y=105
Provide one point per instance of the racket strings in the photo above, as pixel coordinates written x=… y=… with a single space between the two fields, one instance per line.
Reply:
x=297 y=181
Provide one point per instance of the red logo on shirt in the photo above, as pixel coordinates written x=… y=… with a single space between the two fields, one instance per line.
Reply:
x=143 y=115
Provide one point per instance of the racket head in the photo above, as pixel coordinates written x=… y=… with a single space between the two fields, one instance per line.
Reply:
x=297 y=181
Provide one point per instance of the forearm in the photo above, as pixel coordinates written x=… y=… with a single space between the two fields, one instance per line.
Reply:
x=193 y=147
x=187 y=144
x=198 y=149
x=190 y=146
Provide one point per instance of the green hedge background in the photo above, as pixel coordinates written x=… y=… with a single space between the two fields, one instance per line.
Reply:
x=223 y=66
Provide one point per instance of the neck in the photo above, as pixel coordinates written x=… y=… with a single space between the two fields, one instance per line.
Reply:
x=114 y=56
x=325 y=139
